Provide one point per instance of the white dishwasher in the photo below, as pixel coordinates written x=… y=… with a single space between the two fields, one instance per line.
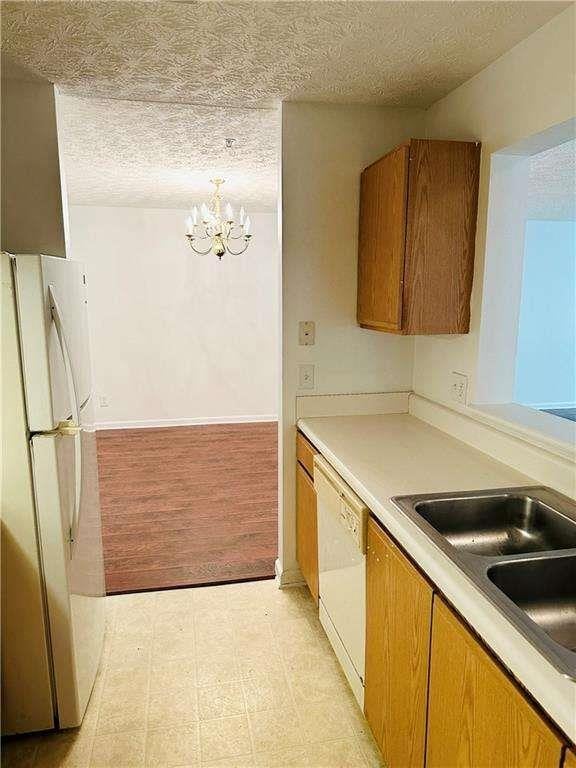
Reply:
x=342 y=521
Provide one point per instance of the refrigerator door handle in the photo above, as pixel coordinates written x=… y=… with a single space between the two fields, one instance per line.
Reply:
x=71 y=427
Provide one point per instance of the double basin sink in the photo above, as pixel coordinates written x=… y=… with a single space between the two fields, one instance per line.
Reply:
x=518 y=545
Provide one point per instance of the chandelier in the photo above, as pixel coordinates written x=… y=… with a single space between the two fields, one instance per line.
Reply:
x=208 y=232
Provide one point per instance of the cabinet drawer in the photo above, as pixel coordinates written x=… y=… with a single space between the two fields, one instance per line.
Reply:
x=305 y=452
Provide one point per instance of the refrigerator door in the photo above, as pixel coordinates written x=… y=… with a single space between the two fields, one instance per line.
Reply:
x=55 y=353
x=72 y=565
x=45 y=285
x=26 y=668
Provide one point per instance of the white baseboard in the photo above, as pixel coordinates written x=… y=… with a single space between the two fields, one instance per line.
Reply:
x=195 y=421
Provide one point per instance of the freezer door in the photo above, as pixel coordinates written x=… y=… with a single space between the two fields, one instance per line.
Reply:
x=51 y=289
x=71 y=554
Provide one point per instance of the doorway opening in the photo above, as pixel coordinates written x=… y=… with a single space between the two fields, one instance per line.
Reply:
x=184 y=347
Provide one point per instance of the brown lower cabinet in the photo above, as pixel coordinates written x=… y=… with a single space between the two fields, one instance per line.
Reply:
x=306 y=529
x=476 y=714
x=398 y=622
x=433 y=695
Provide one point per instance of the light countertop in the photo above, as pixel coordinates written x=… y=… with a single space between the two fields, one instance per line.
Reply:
x=398 y=454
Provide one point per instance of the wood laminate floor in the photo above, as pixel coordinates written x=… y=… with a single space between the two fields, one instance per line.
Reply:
x=188 y=505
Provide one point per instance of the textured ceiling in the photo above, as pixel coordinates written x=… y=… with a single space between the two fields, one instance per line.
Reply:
x=163 y=155
x=256 y=53
x=552 y=183
x=237 y=56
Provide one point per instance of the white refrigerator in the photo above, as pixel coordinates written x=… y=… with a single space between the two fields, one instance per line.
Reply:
x=53 y=576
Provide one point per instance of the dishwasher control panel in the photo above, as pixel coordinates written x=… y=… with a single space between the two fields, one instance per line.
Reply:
x=337 y=495
x=355 y=521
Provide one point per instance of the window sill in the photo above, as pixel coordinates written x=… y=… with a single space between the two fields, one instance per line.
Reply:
x=551 y=432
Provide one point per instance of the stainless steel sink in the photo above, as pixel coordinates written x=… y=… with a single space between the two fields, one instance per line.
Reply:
x=545 y=589
x=509 y=524
x=518 y=546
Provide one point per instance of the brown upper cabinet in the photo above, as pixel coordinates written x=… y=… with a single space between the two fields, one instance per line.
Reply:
x=417 y=228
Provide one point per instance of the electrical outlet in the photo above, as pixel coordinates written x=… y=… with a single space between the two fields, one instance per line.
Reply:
x=459 y=387
x=103 y=400
x=306 y=374
x=306 y=333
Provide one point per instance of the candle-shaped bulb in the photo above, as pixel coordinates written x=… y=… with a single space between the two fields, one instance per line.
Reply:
x=247 y=225
x=204 y=212
x=194 y=215
x=189 y=227
x=242 y=215
x=229 y=212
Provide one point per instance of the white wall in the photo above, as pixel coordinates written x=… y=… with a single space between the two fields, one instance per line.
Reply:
x=324 y=149
x=525 y=92
x=178 y=338
x=33 y=217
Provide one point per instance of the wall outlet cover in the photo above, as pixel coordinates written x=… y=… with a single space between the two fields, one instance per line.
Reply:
x=103 y=401
x=459 y=387
x=306 y=333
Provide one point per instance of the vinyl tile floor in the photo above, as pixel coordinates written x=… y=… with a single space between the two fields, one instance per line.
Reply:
x=237 y=676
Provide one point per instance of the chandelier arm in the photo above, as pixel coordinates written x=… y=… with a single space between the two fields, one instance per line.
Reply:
x=200 y=253
x=238 y=253
x=196 y=236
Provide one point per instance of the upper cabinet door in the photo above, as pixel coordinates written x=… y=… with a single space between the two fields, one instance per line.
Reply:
x=441 y=230
x=417 y=230
x=382 y=237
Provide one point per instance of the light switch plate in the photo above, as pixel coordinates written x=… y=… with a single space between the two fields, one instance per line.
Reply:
x=306 y=333
x=306 y=376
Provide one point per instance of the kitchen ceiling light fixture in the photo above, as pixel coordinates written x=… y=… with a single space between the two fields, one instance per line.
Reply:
x=210 y=232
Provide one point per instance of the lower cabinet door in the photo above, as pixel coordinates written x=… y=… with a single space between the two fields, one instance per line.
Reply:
x=398 y=623
x=307 y=529
x=477 y=718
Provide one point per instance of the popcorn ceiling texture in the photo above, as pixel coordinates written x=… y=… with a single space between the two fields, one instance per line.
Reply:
x=150 y=155
x=256 y=53
x=552 y=183
x=109 y=57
